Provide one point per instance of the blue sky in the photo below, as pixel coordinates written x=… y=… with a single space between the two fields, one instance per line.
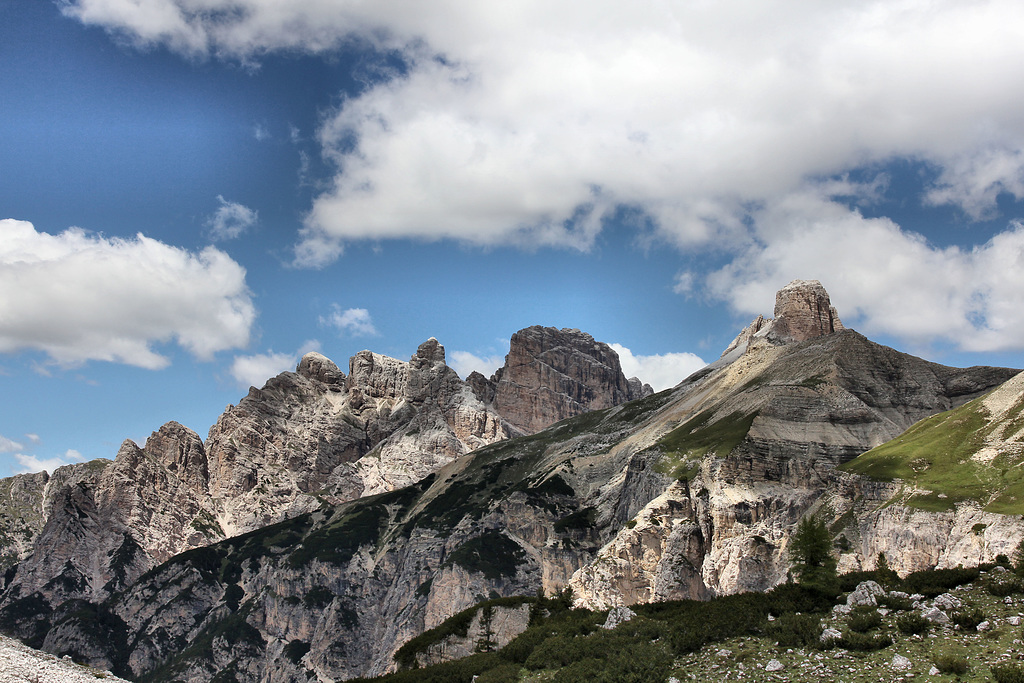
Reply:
x=195 y=193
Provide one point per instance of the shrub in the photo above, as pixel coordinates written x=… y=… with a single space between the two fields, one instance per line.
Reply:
x=1008 y=673
x=913 y=624
x=1004 y=587
x=864 y=618
x=950 y=661
x=967 y=618
x=896 y=603
x=795 y=630
x=862 y=642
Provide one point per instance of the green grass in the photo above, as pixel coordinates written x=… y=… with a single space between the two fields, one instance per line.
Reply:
x=685 y=446
x=935 y=456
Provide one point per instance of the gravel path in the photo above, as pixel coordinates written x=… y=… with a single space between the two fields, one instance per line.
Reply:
x=21 y=664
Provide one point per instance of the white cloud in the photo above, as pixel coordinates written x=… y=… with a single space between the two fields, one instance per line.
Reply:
x=8 y=446
x=230 y=220
x=34 y=438
x=254 y=370
x=30 y=463
x=354 y=321
x=82 y=296
x=661 y=371
x=528 y=123
x=881 y=278
x=464 y=363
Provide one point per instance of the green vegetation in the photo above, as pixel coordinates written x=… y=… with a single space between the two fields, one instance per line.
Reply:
x=716 y=639
x=492 y=554
x=934 y=456
x=810 y=551
x=702 y=435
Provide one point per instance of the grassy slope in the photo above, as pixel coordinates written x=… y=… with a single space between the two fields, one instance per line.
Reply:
x=935 y=455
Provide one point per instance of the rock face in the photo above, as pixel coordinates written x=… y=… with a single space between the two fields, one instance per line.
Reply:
x=803 y=311
x=551 y=374
x=308 y=438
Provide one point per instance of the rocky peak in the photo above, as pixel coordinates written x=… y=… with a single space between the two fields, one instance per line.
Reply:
x=803 y=311
x=321 y=368
x=377 y=376
x=181 y=451
x=429 y=353
x=551 y=374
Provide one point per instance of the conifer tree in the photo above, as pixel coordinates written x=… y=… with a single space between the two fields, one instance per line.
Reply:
x=810 y=551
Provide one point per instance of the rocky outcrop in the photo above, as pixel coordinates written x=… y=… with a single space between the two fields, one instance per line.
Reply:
x=803 y=311
x=21 y=515
x=551 y=374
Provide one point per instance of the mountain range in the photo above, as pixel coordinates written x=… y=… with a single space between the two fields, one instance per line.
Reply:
x=329 y=518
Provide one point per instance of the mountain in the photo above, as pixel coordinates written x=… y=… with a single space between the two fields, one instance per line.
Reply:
x=973 y=453
x=692 y=492
x=308 y=438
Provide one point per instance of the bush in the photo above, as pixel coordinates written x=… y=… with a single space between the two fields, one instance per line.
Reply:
x=862 y=642
x=864 y=618
x=1002 y=588
x=795 y=630
x=968 y=618
x=1008 y=673
x=897 y=603
x=913 y=624
x=950 y=661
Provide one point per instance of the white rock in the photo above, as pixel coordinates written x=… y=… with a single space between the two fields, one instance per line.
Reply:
x=830 y=634
x=773 y=665
x=865 y=594
x=935 y=615
x=616 y=616
x=900 y=663
x=947 y=602
x=1013 y=621
x=984 y=626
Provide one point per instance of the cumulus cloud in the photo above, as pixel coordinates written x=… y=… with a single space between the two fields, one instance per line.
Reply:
x=880 y=277
x=353 y=321
x=31 y=463
x=230 y=220
x=661 y=371
x=531 y=124
x=254 y=370
x=464 y=363
x=83 y=296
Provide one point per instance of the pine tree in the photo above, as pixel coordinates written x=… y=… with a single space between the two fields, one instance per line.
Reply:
x=485 y=643
x=810 y=551
x=886 y=576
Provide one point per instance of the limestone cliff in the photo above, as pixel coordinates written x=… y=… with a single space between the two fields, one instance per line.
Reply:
x=551 y=374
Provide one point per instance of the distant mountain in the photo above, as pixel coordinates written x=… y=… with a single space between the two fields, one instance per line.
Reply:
x=308 y=438
x=691 y=492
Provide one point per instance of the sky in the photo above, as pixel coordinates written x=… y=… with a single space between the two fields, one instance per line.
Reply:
x=194 y=193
